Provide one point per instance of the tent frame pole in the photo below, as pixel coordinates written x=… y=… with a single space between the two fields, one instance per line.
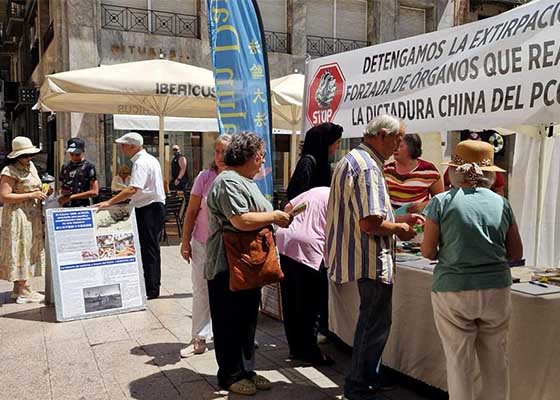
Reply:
x=161 y=141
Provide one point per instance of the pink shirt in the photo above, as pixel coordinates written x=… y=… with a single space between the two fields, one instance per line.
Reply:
x=201 y=187
x=304 y=240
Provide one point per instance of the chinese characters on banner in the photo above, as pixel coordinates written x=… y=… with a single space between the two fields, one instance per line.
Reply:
x=241 y=75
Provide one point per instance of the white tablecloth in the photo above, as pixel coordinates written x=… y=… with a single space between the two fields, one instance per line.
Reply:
x=414 y=347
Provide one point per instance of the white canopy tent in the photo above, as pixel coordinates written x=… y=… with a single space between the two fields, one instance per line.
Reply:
x=177 y=124
x=535 y=183
x=153 y=87
x=287 y=100
x=160 y=88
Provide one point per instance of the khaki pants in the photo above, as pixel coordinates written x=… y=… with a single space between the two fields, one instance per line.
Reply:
x=473 y=324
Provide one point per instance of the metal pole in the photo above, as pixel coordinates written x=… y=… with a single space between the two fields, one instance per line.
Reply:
x=540 y=184
x=293 y=150
x=161 y=148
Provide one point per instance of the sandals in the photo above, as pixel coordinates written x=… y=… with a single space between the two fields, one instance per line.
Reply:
x=244 y=387
x=249 y=387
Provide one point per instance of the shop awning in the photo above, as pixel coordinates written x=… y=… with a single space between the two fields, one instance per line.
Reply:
x=151 y=123
x=173 y=124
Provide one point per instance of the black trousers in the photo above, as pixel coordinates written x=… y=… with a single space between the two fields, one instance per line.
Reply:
x=302 y=292
x=150 y=220
x=234 y=322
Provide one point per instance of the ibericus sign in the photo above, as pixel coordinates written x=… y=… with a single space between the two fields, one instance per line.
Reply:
x=325 y=94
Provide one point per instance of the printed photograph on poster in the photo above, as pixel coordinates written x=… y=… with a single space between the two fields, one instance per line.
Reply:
x=101 y=298
x=112 y=220
x=105 y=246
x=124 y=245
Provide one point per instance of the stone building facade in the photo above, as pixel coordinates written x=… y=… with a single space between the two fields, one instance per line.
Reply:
x=73 y=34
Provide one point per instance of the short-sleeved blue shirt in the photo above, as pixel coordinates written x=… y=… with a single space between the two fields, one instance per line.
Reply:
x=473 y=225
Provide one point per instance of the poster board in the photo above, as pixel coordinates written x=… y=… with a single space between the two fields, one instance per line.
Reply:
x=96 y=262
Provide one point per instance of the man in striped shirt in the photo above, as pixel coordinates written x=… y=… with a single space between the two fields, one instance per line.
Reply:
x=361 y=227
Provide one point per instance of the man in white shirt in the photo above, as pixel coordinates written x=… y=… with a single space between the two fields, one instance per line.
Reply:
x=147 y=195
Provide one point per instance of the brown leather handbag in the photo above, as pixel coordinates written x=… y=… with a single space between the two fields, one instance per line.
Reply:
x=252 y=259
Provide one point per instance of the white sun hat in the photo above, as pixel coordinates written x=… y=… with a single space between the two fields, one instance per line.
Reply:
x=22 y=145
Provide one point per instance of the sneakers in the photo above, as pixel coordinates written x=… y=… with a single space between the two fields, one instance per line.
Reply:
x=26 y=295
x=197 y=346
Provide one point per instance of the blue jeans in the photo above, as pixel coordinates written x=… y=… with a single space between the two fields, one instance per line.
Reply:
x=372 y=331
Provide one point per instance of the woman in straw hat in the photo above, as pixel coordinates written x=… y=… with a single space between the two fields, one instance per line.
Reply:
x=21 y=238
x=472 y=233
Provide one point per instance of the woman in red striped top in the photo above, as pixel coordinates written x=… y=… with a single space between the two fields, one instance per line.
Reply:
x=411 y=180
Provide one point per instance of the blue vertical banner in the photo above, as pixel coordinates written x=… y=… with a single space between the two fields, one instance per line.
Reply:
x=241 y=73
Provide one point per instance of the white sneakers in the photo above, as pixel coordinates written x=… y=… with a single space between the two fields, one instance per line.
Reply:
x=197 y=346
x=26 y=295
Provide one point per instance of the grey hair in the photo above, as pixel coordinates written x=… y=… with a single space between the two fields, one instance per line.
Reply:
x=457 y=178
x=243 y=146
x=221 y=139
x=385 y=121
x=225 y=139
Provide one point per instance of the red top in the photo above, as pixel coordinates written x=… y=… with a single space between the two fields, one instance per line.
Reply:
x=412 y=187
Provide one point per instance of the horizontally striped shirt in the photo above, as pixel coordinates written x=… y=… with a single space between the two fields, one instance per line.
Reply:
x=358 y=190
x=411 y=187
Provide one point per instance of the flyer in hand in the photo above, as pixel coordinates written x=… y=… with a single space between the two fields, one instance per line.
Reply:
x=96 y=262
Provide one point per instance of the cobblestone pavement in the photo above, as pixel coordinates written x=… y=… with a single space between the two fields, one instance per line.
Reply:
x=136 y=355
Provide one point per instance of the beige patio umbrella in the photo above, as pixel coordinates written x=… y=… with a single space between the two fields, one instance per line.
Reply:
x=287 y=100
x=153 y=87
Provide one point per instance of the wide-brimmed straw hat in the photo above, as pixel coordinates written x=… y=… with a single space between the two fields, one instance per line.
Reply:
x=474 y=152
x=22 y=145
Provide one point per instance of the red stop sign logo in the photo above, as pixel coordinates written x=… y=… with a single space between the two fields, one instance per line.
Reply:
x=325 y=94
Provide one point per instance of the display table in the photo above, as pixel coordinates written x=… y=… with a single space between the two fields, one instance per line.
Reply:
x=414 y=347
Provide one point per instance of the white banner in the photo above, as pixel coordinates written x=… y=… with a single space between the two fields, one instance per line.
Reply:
x=501 y=71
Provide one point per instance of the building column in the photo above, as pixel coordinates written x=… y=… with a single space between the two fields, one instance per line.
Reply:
x=297 y=19
x=202 y=9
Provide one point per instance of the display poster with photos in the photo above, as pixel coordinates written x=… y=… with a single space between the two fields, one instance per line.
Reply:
x=96 y=262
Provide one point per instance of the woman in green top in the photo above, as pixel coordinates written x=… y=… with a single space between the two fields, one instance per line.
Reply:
x=235 y=203
x=472 y=233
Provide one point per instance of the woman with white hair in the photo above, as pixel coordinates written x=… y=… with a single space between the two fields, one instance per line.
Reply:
x=472 y=233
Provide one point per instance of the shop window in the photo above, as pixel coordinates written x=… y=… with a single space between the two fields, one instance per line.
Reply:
x=412 y=22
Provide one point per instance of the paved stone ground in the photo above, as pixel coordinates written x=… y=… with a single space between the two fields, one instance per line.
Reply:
x=136 y=355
